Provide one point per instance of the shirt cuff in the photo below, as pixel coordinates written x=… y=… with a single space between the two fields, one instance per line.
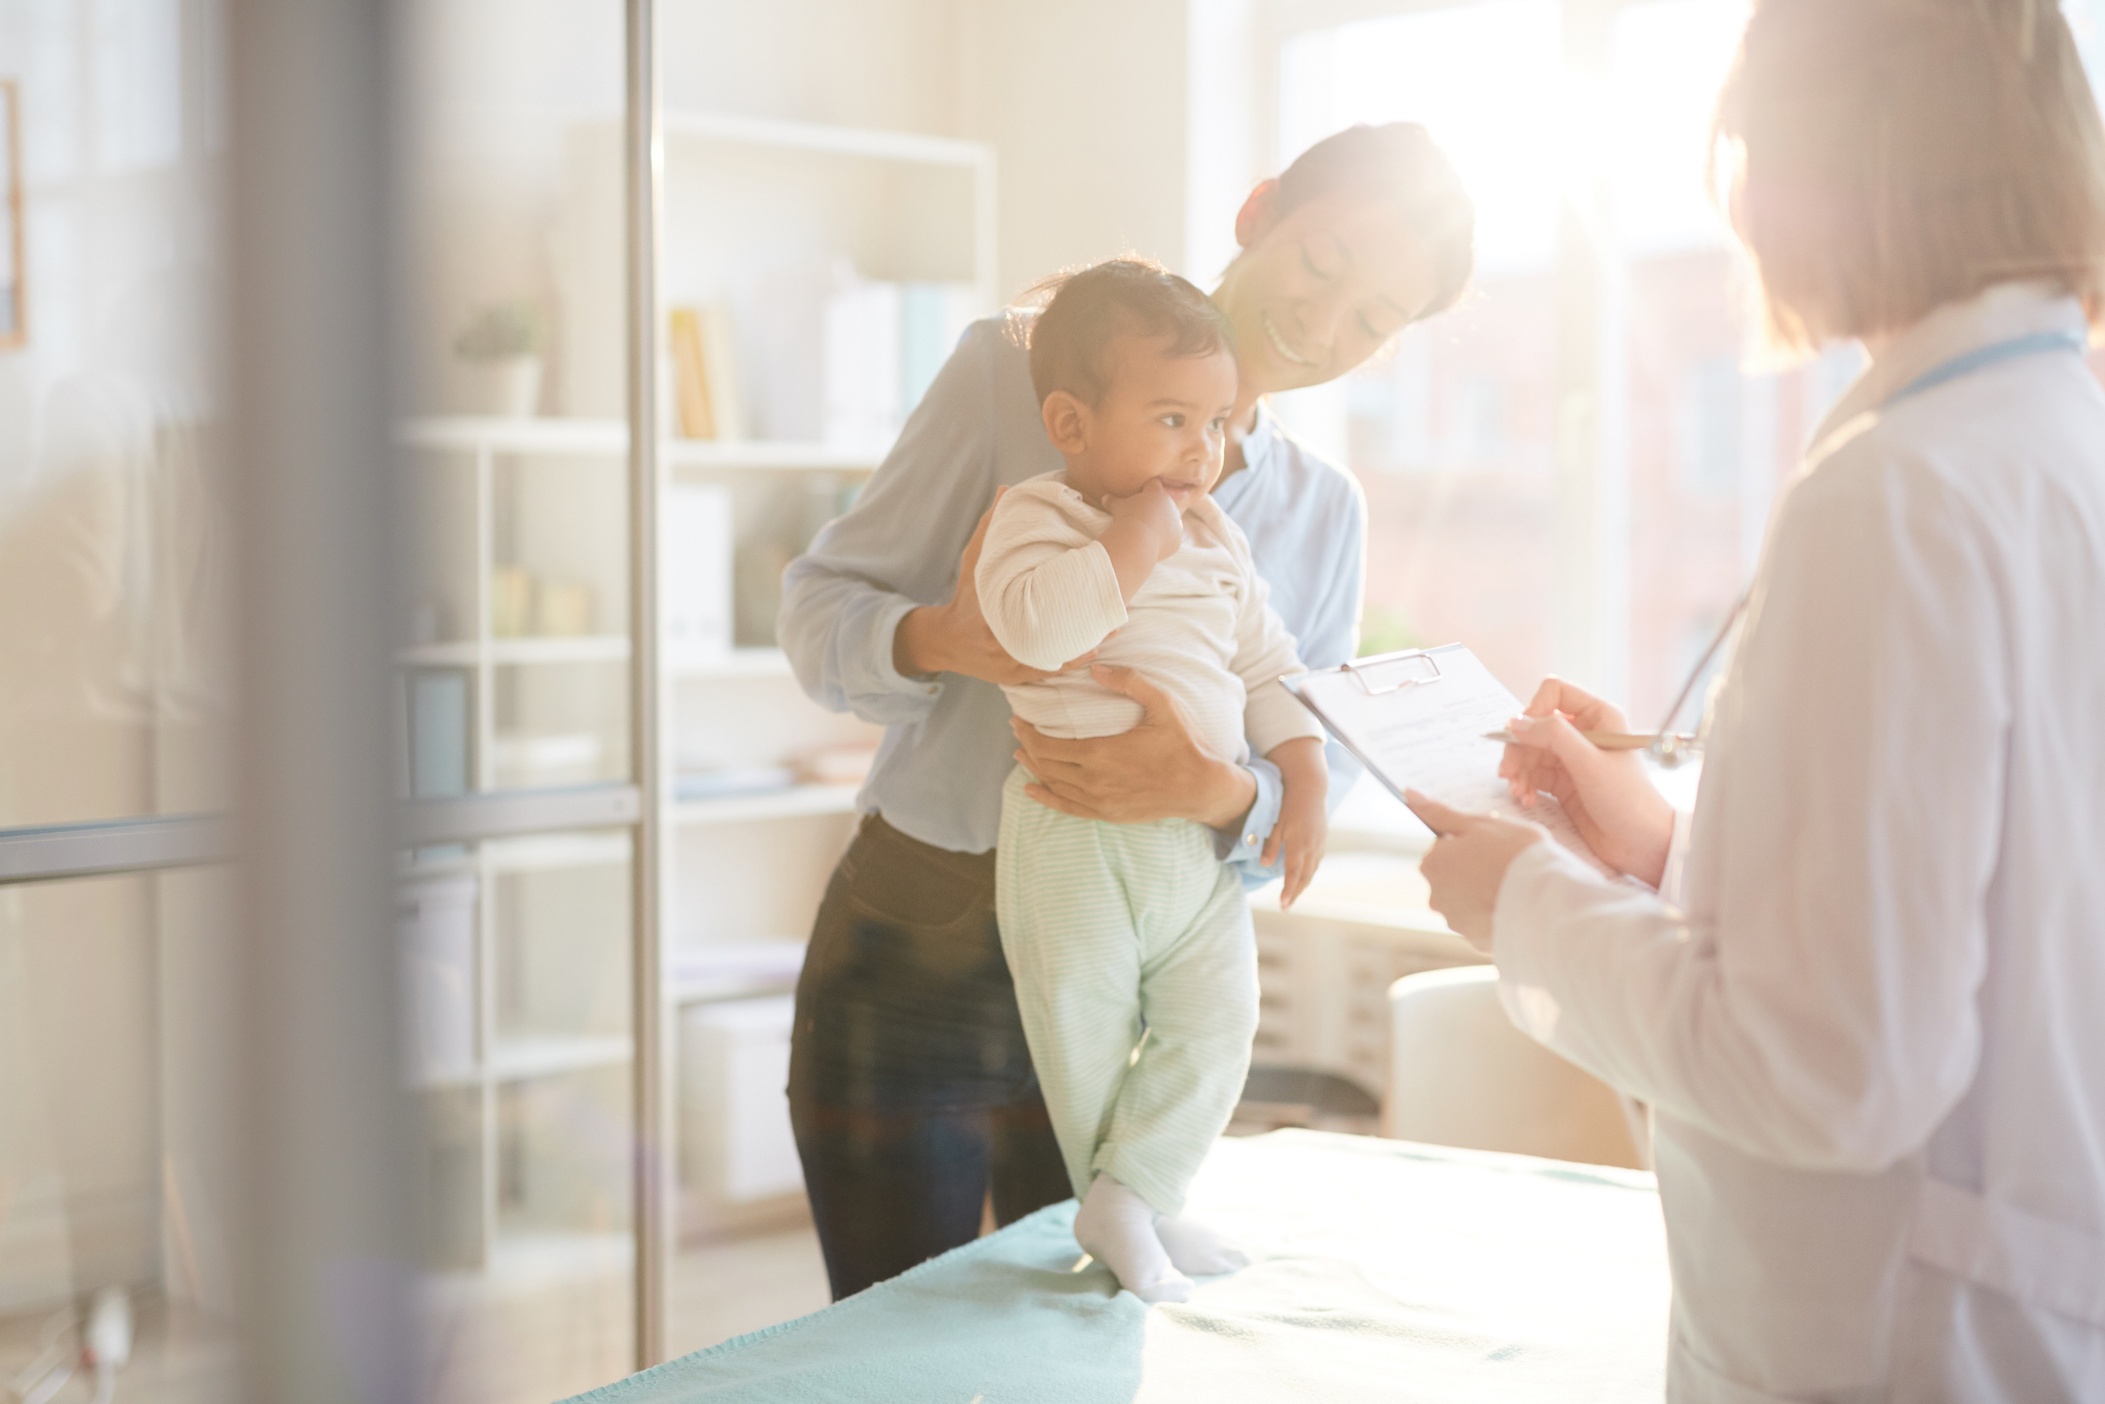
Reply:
x=1244 y=847
x=883 y=676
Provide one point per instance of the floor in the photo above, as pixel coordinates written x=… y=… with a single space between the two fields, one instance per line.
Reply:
x=551 y=1322
x=180 y=1358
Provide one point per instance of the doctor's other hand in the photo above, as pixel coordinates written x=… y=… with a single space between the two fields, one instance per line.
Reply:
x=1612 y=802
x=1468 y=862
x=953 y=637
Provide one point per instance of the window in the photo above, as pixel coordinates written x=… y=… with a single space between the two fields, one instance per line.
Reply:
x=1710 y=415
x=1574 y=468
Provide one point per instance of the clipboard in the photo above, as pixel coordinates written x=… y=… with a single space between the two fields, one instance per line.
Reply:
x=1416 y=720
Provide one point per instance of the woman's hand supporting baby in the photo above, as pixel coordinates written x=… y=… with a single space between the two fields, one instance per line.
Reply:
x=953 y=637
x=1158 y=770
x=1304 y=813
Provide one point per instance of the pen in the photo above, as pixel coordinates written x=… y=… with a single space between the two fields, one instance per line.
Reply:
x=1616 y=740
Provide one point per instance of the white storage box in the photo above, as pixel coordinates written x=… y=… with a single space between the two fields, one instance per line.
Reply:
x=735 y=1141
x=435 y=919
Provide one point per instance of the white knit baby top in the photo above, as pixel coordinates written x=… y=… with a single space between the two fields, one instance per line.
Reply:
x=1200 y=627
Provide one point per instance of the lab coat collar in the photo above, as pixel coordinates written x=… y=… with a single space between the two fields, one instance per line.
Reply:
x=2004 y=311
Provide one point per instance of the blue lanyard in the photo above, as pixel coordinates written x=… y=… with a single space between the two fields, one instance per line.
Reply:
x=1981 y=357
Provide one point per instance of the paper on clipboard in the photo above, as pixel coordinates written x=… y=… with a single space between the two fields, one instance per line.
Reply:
x=1417 y=720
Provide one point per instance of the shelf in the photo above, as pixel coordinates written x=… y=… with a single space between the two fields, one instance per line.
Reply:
x=795 y=803
x=543 y=852
x=467 y=433
x=578 y=648
x=551 y=437
x=831 y=140
x=715 y=972
x=517 y=1059
x=759 y=455
x=592 y=648
x=738 y=663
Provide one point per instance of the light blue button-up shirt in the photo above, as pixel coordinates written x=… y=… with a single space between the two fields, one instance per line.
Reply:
x=947 y=745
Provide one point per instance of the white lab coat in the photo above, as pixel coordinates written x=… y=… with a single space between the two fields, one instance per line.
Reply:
x=1873 y=1032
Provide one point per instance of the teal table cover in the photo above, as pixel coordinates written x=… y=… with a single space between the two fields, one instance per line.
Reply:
x=1382 y=1270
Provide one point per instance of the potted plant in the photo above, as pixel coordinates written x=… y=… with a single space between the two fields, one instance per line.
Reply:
x=502 y=342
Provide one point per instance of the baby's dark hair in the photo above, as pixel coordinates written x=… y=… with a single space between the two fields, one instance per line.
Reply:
x=1127 y=296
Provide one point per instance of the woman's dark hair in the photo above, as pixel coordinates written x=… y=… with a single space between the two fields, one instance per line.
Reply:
x=1090 y=309
x=1395 y=163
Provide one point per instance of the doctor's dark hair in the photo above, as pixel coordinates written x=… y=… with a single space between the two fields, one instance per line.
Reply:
x=1090 y=309
x=1886 y=157
x=1394 y=163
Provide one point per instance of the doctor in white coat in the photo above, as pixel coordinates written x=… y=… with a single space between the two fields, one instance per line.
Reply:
x=1863 y=986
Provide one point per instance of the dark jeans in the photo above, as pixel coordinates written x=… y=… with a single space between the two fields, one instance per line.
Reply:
x=910 y=1086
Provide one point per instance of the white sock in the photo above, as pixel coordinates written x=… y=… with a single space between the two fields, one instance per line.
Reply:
x=1196 y=1248
x=1116 y=1227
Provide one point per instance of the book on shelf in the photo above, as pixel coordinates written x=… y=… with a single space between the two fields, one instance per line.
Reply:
x=842 y=358
x=524 y=605
x=698 y=550
x=441 y=707
x=705 y=391
x=440 y=727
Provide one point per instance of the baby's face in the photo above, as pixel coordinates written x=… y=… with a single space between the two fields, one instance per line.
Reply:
x=1160 y=417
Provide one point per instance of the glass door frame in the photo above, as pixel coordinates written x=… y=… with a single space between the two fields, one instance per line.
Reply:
x=348 y=40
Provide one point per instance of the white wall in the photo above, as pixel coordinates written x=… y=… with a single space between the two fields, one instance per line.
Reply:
x=1084 y=102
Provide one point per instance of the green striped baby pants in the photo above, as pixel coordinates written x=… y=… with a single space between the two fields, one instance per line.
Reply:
x=1110 y=929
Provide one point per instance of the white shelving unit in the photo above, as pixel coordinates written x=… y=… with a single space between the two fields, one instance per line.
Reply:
x=485 y=442
x=745 y=871
x=908 y=148
x=804 y=801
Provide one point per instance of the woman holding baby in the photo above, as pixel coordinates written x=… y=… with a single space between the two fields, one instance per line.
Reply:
x=912 y=1086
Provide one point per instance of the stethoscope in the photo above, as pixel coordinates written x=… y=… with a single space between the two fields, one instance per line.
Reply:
x=1669 y=749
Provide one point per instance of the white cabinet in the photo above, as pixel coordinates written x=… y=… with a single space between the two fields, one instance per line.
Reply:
x=735 y=1142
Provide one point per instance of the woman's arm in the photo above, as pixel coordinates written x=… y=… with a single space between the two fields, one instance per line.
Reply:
x=877 y=607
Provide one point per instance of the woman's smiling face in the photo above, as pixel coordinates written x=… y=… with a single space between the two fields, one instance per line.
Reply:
x=1321 y=288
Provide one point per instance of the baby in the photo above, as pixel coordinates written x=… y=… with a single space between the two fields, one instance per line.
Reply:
x=1131 y=945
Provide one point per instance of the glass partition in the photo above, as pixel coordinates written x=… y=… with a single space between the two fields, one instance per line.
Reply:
x=114 y=546
x=515 y=987
x=515 y=627
x=116 y=1145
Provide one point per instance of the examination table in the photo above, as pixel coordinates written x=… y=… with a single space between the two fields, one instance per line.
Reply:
x=1381 y=1270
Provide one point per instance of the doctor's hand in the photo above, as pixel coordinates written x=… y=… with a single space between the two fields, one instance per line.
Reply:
x=1613 y=803
x=953 y=637
x=1466 y=864
x=1158 y=770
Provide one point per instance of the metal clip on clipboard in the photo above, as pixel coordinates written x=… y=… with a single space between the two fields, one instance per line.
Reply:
x=1392 y=672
